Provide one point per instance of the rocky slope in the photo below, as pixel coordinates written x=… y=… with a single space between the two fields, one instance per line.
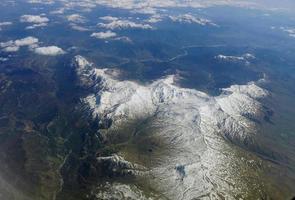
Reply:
x=193 y=124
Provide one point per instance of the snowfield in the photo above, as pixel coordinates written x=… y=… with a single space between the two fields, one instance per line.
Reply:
x=201 y=164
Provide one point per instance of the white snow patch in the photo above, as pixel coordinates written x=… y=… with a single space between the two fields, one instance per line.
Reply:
x=193 y=123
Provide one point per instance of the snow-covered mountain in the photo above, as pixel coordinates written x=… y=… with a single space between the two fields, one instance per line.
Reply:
x=193 y=124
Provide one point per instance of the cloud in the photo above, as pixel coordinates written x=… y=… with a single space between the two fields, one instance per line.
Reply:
x=154 y=19
x=109 y=18
x=150 y=6
x=76 y=18
x=4 y=24
x=290 y=31
x=111 y=35
x=146 y=10
x=14 y=46
x=82 y=5
x=116 y=23
x=153 y=6
x=47 y=2
x=36 y=25
x=33 y=44
x=6 y=44
x=36 y=19
x=104 y=35
x=3 y=59
x=189 y=19
x=78 y=28
x=123 y=39
x=28 y=41
x=11 y=49
x=49 y=51
x=58 y=11
x=247 y=57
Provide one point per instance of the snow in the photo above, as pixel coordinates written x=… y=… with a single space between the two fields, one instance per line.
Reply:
x=193 y=123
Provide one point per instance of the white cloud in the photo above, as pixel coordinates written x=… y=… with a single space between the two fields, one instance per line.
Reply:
x=109 y=18
x=11 y=49
x=104 y=35
x=3 y=59
x=33 y=44
x=13 y=46
x=36 y=19
x=58 y=11
x=81 y=5
x=116 y=23
x=36 y=25
x=26 y=41
x=154 y=19
x=110 y=35
x=190 y=19
x=5 y=23
x=146 y=10
x=149 y=6
x=290 y=31
x=49 y=51
x=247 y=57
x=76 y=18
x=123 y=39
x=152 y=6
x=6 y=44
x=41 y=2
x=79 y=28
